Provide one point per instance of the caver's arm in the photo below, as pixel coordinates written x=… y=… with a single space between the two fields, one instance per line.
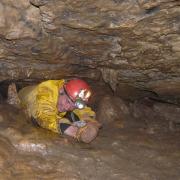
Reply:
x=87 y=115
x=46 y=100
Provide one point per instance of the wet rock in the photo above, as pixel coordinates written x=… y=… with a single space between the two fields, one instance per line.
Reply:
x=13 y=95
x=131 y=93
x=7 y=151
x=112 y=109
x=131 y=42
x=172 y=90
x=28 y=152
x=39 y=2
x=170 y=113
x=19 y=20
x=144 y=114
x=99 y=92
x=157 y=116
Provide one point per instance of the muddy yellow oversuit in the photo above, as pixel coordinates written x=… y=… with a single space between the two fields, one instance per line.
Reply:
x=41 y=100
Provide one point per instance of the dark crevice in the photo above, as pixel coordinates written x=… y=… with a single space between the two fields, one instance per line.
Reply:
x=39 y=3
x=19 y=85
x=152 y=10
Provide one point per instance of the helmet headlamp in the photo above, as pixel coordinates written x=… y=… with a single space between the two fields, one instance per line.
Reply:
x=79 y=104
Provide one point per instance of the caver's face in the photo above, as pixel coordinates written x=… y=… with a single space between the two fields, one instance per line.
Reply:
x=64 y=102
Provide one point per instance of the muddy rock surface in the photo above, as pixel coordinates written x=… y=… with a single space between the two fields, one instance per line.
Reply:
x=112 y=108
x=29 y=152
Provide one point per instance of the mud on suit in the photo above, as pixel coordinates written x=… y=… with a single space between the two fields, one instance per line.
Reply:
x=41 y=100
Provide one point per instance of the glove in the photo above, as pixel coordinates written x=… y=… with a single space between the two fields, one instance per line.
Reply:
x=88 y=132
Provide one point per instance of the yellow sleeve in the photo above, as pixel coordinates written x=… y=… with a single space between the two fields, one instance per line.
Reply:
x=85 y=114
x=47 y=114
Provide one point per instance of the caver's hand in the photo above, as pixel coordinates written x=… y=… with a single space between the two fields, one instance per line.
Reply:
x=87 y=133
x=83 y=130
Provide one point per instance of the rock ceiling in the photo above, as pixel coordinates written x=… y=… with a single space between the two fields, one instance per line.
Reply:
x=134 y=42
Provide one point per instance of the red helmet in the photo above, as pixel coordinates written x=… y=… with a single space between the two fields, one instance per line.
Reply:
x=78 y=89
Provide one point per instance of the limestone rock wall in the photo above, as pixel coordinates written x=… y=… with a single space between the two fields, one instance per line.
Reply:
x=134 y=42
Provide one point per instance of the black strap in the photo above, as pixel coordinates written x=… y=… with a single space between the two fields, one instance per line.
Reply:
x=71 y=116
x=63 y=127
x=34 y=122
x=67 y=94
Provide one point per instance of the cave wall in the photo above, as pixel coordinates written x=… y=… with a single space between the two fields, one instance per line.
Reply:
x=123 y=42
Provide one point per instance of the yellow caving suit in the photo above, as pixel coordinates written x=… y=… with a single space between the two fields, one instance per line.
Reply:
x=41 y=103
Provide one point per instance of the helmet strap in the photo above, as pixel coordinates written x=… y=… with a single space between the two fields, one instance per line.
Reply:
x=67 y=94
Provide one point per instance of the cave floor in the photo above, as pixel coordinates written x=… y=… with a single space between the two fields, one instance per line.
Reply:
x=28 y=152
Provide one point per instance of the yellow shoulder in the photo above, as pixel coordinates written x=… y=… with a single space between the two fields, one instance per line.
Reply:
x=50 y=88
x=48 y=91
